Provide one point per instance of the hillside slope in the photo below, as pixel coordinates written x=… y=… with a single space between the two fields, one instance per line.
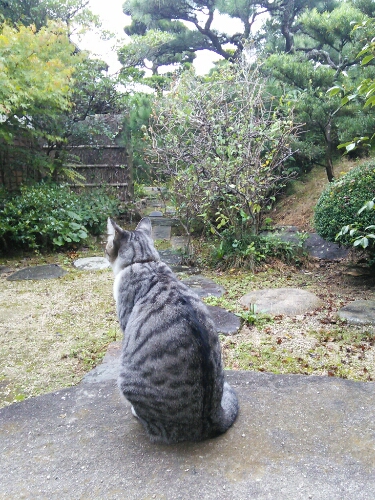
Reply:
x=296 y=206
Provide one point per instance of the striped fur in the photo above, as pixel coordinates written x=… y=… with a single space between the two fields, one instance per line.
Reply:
x=171 y=370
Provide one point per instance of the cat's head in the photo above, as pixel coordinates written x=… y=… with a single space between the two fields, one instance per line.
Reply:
x=125 y=248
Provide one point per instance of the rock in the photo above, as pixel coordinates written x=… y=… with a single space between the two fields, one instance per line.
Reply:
x=322 y=249
x=289 y=301
x=359 y=312
x=315 y=245
x=170 y=257
x=155 y=213
x=204 y=287
x=161 y=232
x=44 y=272
x=92 y=263
x=226 y=322
x=5 y=269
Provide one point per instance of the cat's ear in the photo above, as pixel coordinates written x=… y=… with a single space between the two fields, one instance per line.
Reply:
x=145 y=226
x=113 y=229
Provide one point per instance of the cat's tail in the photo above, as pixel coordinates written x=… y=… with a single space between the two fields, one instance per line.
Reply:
x=229 y=409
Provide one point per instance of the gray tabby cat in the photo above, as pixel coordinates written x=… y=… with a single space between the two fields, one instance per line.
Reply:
x=171 y=370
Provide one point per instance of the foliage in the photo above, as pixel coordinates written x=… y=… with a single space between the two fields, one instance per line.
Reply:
x=48 y=88
x=251 y=250
x=193 y=28
x=365 y=89
x=366 y=237
x=74 y=14
x=51 y=216
x=138 y=105
x=324 y=57
x=35 y=72
x=222 y=150
x=341 y=201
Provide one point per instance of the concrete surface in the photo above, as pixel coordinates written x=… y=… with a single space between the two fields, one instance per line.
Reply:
x=296 y=437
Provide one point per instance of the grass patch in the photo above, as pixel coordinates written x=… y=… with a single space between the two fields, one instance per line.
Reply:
x=53 y=331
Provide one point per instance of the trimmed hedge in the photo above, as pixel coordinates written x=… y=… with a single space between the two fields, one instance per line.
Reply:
x=339 y=203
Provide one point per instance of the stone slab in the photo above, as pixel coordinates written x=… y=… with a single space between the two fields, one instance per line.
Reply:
x=296 y=438
x=170 y=257
x=161 y=232
x=92 y=263
x=289 y=301
x=44 y=272
x=204 y=287
x=226 y=322
x=359 y=312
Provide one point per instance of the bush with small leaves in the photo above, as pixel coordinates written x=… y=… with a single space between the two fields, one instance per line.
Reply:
x=49 y=216
x=341 y=202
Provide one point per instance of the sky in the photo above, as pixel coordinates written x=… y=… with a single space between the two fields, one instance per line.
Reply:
x=114 y=20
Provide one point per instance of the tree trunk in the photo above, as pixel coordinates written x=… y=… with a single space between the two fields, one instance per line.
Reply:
x=329 y=149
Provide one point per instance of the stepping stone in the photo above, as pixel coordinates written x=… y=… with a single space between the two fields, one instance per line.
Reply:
x=45 y=272
x=179 y=242
x=161 y=232
x=92 y=263
x=289 y=301
x=359 y=312
x=170 y=258
x=156 y=213
x=5 y=269
x=226 y=322
x=204 y=287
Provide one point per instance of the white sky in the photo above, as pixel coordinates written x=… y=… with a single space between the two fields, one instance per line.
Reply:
x=114 y=20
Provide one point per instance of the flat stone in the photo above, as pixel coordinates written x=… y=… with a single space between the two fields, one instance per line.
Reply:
x=204 y=287
x=179 y=242
x=181 y=269
x=170 y=257
x=155 y=213
x=109 y=367
x=359 y=312
x=161 y=232
x=92 y=263
x=226 y=322
x=296 y=437
x=317 y=247
x=5 y=269
x=289 y=301
x=44 y=272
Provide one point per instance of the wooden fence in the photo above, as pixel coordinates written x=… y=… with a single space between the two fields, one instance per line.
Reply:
x=104 y=165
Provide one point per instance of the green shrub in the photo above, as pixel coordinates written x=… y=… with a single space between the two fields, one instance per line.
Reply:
x=49 y=216
x=252 y=249
x=361 y=235
x=341 y=201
